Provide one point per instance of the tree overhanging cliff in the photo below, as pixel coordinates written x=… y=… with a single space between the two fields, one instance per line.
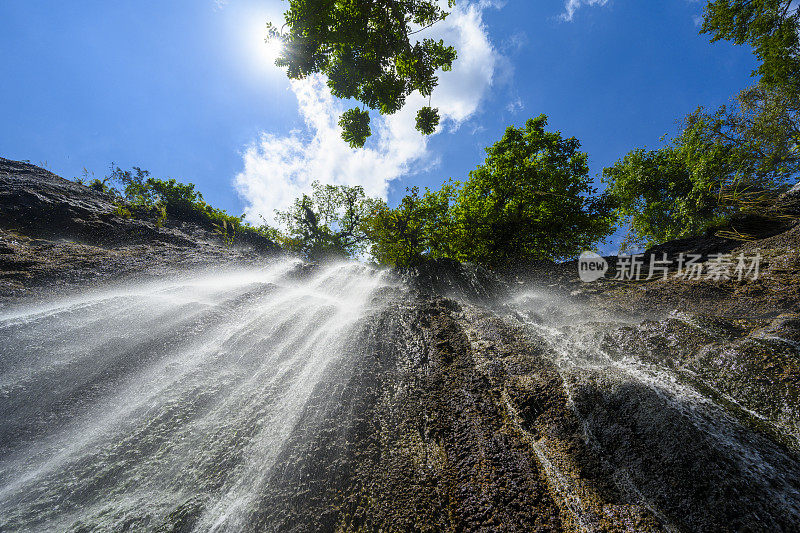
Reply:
x=470 y=401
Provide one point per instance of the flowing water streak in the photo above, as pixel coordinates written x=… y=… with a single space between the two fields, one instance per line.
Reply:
x=579 y=357
x=118 y=408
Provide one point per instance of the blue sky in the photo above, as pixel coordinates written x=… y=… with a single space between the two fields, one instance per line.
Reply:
x=185 y=89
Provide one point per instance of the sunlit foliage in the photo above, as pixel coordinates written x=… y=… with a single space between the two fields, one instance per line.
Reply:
x=367 y=51
x=715 y=167
x=138 y=195
x=531 y=199
x=328 y=223
x=419 y=228
x=771 y=27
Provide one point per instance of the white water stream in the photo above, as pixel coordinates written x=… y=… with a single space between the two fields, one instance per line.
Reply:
x=667 y=400
x=122 y=409
x=118 y=407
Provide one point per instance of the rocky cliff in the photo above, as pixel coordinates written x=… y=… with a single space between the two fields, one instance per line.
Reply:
x=56 y=235
x=470 y=401
x=546 y=410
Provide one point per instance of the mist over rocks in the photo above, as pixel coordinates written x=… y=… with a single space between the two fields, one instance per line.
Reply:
x=451 y=279
x=286 y=396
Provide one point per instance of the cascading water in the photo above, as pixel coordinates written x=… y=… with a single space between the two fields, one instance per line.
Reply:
x=299 y=398
x=122 y=409
x=656 y=426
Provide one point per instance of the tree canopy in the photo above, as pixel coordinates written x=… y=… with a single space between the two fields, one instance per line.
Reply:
x=418 y=228
x=368 y=53
x=656 y=192
x=530 y=199
x=328 y=223
x=770 y=26
x=720 y=163
x=756 y=138
x=734 y=159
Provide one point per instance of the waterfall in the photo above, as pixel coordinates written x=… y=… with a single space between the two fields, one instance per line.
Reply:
x=295 y=397
x=658 y=426
x=165 y=400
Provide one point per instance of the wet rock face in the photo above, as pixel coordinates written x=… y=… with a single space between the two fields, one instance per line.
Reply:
x=751 y=365
x=416 y=439
x=449 y=278
x=467 y=405
x=450 y=417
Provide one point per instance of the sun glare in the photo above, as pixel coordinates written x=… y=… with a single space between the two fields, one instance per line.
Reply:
x=262 y=54
x=250 y=30
x=270 y=51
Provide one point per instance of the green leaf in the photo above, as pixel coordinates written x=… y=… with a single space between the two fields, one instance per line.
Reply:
x=427 y=120
x=355 y=127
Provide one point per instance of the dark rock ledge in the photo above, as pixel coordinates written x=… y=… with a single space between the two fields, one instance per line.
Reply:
x=56 y=235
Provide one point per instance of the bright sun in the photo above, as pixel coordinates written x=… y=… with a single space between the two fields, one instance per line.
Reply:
x=270 y=51
x=250 y=30
x=262 y=54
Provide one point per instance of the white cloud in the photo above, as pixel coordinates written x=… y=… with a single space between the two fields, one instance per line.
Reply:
x=515 y=42
x=515 y=106
x=278 y=169
x=571 y=6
